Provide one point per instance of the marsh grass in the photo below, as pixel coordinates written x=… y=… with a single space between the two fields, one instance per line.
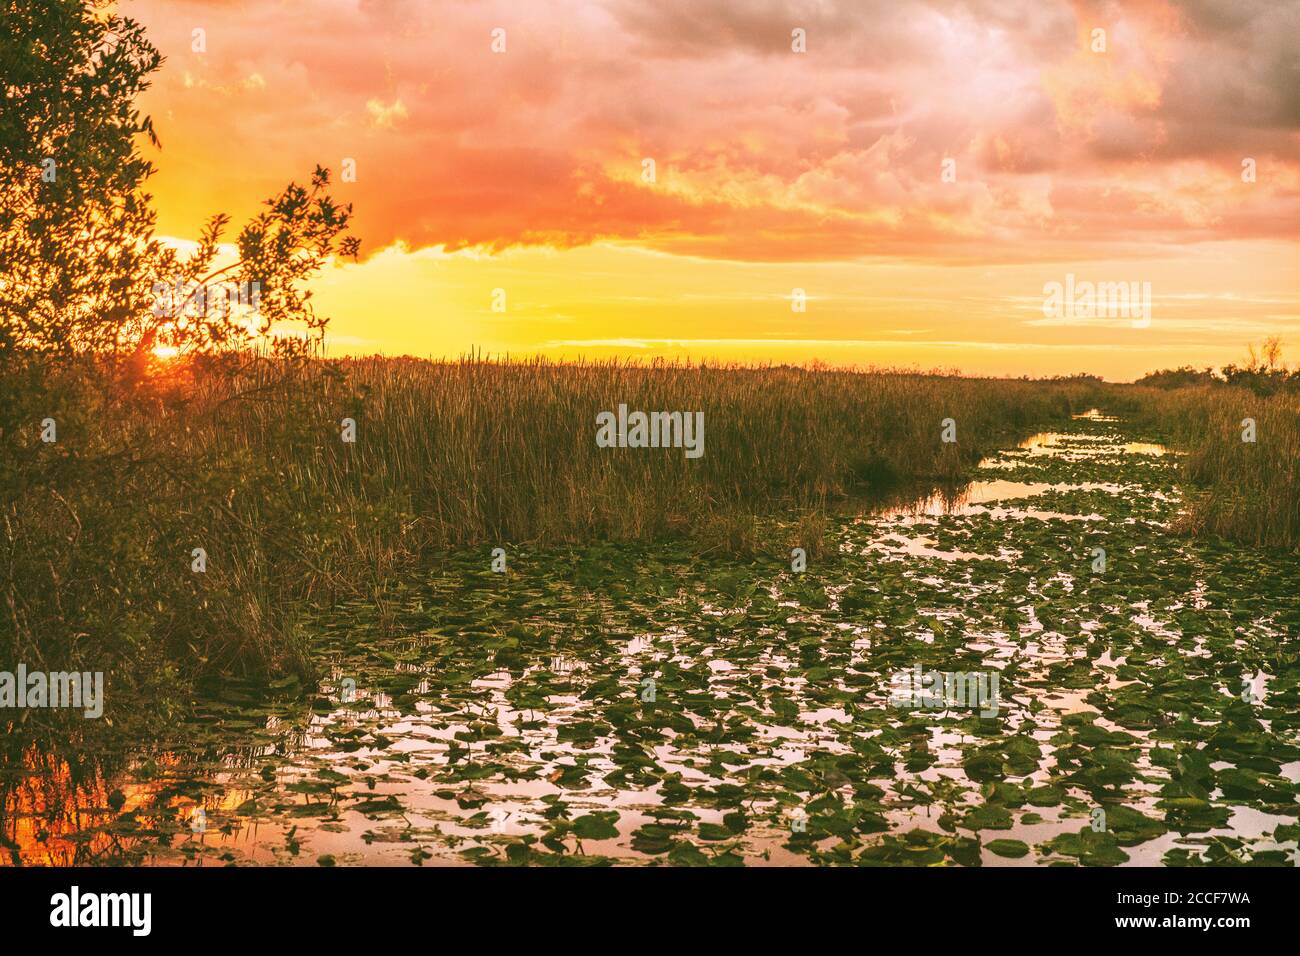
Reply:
x=485 y=451
x=466 y=456
x=1246 y=491
x=251 y=466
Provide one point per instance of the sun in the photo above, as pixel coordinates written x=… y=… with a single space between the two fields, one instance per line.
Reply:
x=166 y=352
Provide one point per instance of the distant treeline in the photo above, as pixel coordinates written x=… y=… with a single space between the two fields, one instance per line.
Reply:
x=1263 y=373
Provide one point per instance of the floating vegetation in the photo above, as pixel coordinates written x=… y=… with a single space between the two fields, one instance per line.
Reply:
x=645 y=705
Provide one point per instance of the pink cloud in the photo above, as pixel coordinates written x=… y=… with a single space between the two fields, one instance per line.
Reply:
x=761 y=153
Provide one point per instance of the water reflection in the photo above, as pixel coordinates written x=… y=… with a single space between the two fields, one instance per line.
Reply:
x=971 y=498
x=434 y=770
x=81 y=804
x=1073 y=446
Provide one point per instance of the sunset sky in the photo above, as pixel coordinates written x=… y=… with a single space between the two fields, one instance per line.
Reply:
x=522 y=170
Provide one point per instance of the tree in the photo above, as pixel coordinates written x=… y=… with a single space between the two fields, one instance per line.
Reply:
x=1272 y=351
x=80 y=268
x=75 y=227
x=87 y=293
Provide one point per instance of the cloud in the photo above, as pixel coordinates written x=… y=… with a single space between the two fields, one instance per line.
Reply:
x=386 y=116
x=762 y=154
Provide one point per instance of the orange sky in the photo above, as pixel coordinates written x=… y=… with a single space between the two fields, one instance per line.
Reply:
x=775 y=170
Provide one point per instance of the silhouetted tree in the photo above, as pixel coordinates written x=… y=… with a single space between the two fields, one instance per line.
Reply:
x=80 y=268
x=87 y=292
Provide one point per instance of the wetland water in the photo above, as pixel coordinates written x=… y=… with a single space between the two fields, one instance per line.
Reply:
x=477 y=718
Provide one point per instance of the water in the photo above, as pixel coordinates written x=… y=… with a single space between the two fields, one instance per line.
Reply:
x=507 y=721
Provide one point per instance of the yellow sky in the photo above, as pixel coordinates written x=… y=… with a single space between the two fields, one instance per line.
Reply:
x=922 y=170
x=611 y=299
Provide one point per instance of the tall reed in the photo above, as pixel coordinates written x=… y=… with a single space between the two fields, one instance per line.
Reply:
x=252 y=468
x=1248 y=491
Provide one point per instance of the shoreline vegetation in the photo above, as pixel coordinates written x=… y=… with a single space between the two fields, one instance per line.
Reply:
x=169 y=522
x=1245 y=491
x=251 y=465
x=459 y=696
